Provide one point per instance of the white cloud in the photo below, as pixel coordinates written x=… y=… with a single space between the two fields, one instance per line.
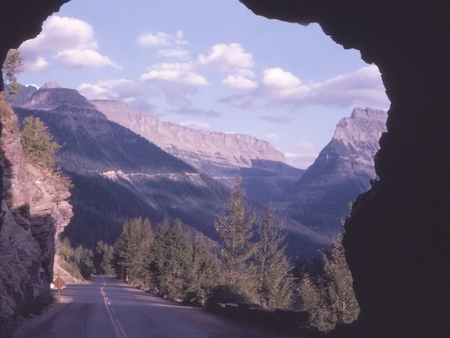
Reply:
x=362 y=87
x=196 y=125
x=37 y=65
x=134 y=93
x=271 y=136
x=276 y=77
x=72 y=39
x=302 y=161
x=182 y=73
x=305 y=145
x=239 y=82
x=173 y=54
x=84 y=59
x=227 y=58
x=161 y=39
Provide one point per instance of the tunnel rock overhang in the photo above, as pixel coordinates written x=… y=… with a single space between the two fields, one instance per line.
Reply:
x=397 y=236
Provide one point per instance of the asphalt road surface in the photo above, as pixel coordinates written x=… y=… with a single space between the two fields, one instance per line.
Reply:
x=108 y=308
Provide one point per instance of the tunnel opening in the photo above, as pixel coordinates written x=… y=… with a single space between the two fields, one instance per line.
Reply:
x=396 y=238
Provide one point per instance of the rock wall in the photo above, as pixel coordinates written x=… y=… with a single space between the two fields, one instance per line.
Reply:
x=33 y=213
x=397 y=239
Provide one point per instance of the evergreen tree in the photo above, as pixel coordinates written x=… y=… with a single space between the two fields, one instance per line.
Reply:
x=340 y=283
x=78 y=262
x=172 y=264
x=329 y=296
x=12 y=66
x=103 y=259
x=274 y=285
x=206 y=271
x=235 y=231
x=38 y=145
x=132 y=250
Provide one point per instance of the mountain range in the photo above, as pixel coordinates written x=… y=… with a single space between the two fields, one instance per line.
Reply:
x=118 y=174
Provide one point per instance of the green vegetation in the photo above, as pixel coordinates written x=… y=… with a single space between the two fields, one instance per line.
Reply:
x=133 y=251
x=12 y=66
x=328 y=293
x=38 y=145
x=78 y=262
x=103 y=259
x=274 y=282
x=235 y=231
x=250 y=264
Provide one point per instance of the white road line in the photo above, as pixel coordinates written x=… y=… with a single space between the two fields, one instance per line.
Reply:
x=118 y=330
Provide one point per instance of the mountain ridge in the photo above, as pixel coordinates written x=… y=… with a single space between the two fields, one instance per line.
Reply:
x=340 y=173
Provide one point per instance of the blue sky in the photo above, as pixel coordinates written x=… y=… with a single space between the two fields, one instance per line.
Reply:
x=207 y=64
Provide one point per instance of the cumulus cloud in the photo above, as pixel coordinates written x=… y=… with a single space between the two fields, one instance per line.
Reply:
x=178 y=81
x=240 y=80
x=195 y=112
x=71 y=39
x=226 y=58
x=84 y=59
x=132 y=92
x=279 y=119
x=362 y=87
x=161 y=39
x=278 y=78
x=305 y=145
x=196 y=125
x=37 y=65
x=271 y=136
x=302 y=161
x=182 y=73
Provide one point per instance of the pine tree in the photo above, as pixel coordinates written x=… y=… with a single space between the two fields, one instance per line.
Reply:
x=340 y=283
x=274 y=285
x=12 y=66
x=328 y=295
x=235 y=231
x=172 y=264
x=103 y=258
x=133 y=249
x=206 y=271
x=38 y=145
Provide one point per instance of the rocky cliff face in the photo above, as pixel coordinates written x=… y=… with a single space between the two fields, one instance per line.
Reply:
x=342 y=171
x=34 y=212
x=209 y=152
x=221 y=156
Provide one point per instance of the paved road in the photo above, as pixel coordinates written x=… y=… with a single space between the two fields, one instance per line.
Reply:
x=110 y=309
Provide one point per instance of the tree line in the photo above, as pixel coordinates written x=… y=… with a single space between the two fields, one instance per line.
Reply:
x=249 y=265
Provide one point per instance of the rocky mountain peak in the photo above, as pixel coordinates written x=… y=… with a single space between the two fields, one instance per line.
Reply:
x=51 y=85
x=340 y=173
x=51 y=96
